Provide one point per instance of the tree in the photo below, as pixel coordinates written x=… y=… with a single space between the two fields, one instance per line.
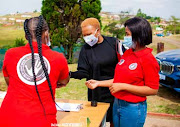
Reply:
x=140 y=14
x=64 y=18
x=116 y=28
x=157 y=19
x=152 y=20
x=174 y=24
x=35 y=11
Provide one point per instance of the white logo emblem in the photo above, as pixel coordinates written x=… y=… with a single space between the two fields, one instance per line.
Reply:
x=24 y=69
x=121 y=61
x=133 y=66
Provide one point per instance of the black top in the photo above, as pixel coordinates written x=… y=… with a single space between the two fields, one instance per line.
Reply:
x=98 y=62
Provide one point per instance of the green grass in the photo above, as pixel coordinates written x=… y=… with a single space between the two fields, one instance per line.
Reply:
x=3 y=86
x=167 y=45
x=18 y=16
x=166 y=101
x=175 y=37
x=9 y=35
x=75 y=89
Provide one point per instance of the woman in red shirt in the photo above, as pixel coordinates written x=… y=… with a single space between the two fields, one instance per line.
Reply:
x=32 y=73
x=136 y=76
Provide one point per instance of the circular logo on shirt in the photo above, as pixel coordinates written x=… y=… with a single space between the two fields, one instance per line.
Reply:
x=24 y=69
x=133 y=66
x=121 y=61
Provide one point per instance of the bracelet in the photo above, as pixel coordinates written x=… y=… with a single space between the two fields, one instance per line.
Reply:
x=70 y=74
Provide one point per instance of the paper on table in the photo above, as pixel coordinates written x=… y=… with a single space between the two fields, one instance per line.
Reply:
x=2 y=94
x=68 y=107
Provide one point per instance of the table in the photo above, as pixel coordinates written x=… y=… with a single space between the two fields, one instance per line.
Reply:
x=95 y=114
x=79 y=119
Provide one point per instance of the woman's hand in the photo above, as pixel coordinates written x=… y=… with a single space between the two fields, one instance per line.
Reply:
x=92 y=84
x=115 y=87
x=60 y=85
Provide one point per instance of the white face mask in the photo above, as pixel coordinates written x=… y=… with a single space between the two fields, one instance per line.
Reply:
x=48 y=41
x=91 y=39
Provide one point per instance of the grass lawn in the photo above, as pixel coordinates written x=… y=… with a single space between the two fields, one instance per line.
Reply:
x=9 y=35
x=166 y=101
x=175 y=37
x=76 y=89
x=167 y=45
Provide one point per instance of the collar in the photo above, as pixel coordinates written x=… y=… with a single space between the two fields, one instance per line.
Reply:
x=139 y=53
x=35 y=45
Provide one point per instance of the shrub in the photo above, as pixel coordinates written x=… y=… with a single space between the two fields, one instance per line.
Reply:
x=19 y=42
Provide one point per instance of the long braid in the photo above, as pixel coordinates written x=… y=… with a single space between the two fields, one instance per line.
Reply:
x=33 y=61
x=38 y=37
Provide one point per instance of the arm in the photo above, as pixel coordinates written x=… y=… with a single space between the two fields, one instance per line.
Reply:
x=4 y=68
x=7 y=80
x=92 y=84
x=83 y=66
x=64 y=73
x=79 y=74
x=5 y=72
x=137 y=90
x=63 y=82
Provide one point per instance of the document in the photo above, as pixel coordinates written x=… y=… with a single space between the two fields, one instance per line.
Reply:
x=67 y=107
x=2 y=94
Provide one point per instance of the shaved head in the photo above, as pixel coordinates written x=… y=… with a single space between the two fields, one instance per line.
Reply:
x=91 y=22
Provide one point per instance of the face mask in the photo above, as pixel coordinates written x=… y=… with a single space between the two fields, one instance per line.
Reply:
x=91 y=39
x=128 y=42
x=48 y=42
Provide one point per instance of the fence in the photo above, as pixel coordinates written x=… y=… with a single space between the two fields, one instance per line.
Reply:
x=2 y=53
x=76 y=51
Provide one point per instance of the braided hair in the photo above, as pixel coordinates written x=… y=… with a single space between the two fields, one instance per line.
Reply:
x=33 y=28
x=38 y=37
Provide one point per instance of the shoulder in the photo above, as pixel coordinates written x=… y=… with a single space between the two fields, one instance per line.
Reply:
x=58 y=58
x=14 y=51
x=85 y=47
x=110 y=39
x=149 y=60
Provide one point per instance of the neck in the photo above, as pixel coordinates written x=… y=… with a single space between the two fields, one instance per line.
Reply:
x=100 y=39
x=34 y=40
x=139 y=48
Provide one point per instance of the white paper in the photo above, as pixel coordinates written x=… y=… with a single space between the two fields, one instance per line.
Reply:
x=68 y=107
x=2 y=94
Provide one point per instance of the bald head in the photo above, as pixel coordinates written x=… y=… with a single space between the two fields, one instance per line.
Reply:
x=91 y=22
x=91 y=26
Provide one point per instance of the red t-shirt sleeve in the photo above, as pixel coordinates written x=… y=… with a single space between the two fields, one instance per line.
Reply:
x=5 y=72
x=64 y=71
x=151 y=73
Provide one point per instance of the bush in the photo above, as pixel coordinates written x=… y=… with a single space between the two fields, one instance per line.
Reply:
x=69 y=61
x=19 y=42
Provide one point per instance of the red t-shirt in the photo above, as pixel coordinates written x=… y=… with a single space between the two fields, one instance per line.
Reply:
x=21 y=105
x=136 y=68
